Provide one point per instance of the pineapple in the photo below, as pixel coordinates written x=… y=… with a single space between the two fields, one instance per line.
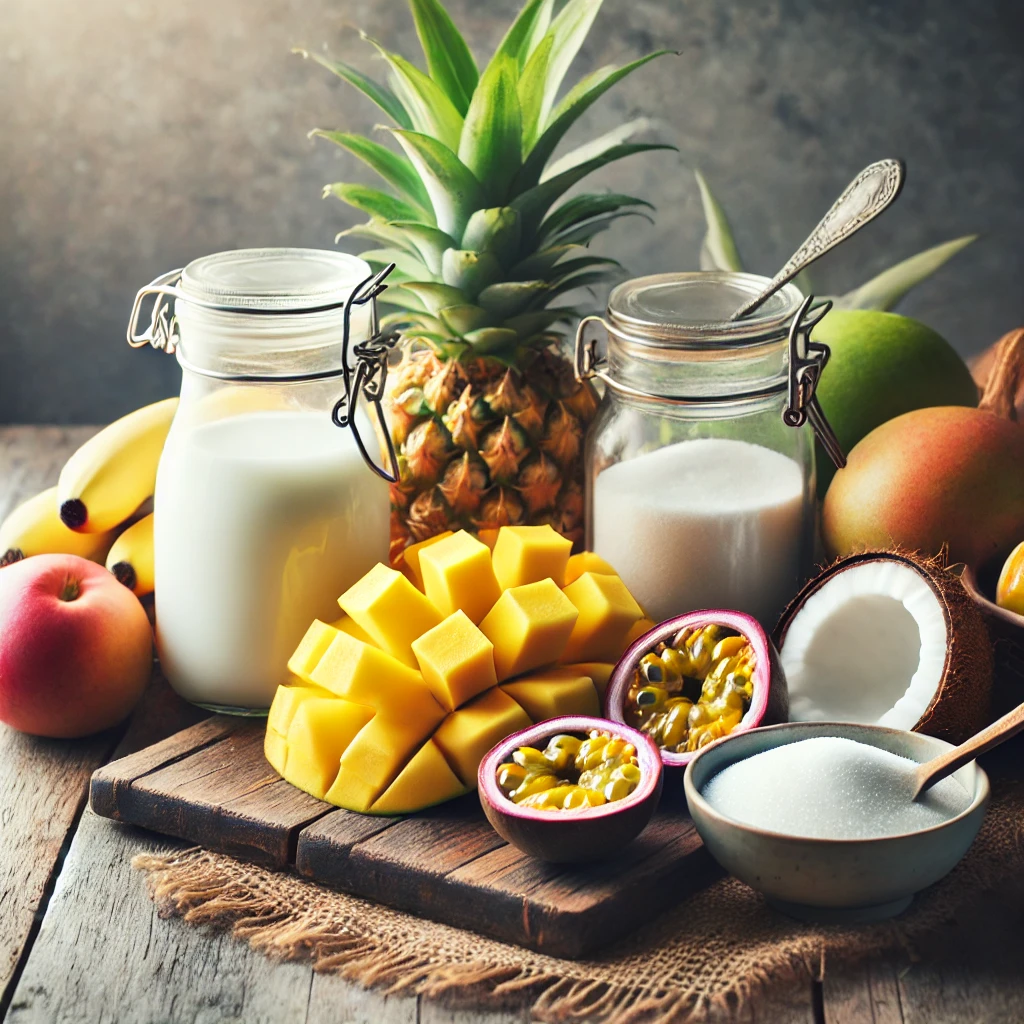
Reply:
x=487 y=417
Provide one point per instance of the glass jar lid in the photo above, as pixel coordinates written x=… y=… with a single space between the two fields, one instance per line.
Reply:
x=274 y=280
x=692 y=310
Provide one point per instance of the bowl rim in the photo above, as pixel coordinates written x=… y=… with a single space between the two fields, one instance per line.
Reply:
x=973 y=585
x=980 y=798
x=649 y=781
x=745 y=625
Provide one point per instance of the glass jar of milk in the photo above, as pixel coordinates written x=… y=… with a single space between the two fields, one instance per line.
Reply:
x=264 y=511
x=699 y=493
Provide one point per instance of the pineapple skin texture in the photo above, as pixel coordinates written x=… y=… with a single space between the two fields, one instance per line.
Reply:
x=359 y=727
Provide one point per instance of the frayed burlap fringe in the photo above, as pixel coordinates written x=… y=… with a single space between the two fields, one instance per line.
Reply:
x=718 y=951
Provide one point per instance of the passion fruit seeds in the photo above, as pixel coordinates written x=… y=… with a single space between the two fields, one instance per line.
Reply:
x=571 y=773
x=694 y=691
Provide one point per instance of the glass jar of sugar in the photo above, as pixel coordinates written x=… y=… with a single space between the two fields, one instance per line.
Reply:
x=700 y=461
x=264 y=511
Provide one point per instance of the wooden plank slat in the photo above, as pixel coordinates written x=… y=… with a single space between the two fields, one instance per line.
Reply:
x=210 y=784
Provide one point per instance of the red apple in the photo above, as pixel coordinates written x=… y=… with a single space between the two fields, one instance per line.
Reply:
x=75 y=647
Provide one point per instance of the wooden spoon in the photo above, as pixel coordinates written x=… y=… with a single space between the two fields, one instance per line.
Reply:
x=926 y=775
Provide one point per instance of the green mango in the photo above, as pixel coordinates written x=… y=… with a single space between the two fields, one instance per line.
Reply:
x=883 y=365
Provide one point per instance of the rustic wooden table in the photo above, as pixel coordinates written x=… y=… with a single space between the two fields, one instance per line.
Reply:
x=81 y=942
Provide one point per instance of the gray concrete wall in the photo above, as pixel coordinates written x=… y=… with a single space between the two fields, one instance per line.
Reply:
x=138 y=135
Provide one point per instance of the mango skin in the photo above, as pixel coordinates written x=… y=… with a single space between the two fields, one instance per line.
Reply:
x=883 y=365
x=940 y=475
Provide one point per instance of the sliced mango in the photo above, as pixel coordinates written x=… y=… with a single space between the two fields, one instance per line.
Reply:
x=388 y=607
x=586 y=561
x=348 y=625
x=456 y=659
x=457 y=574
x=599 y=671
x=320 y=732
x=311 y=649
x=529 y=627
x=607 y=610
x=410 y=563
x=467 y=734
x=529 y=554
x=285 y=703
x=275 y=749
x=552 y=692
x=638 y=629
x=427 y=779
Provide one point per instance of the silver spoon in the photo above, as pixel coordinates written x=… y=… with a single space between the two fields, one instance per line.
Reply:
x=862 y=201
x=926 y=775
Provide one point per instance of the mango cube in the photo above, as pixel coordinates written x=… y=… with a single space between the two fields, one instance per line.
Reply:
x=456 y=659
x=427 y=779
x=552 y=692
x=529 y=627
x=310 y=650
x=410 y=563
x=457 y=573
x=284 y=705
x=348 y=625
x=528 y=554
x=275 y=750
x=638 y=629
x=391 y=610
x=467 y=734
x=586 y=561
x=598 y=671
x=320 y=732
x=607 y=610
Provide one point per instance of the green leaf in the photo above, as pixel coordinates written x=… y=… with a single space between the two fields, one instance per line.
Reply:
x=462 y=320
x=573 y=281
x=435 y=296
x=492 y=132
x=372 y=201
x=429 y=107
x=454 y=191
x=380 y=94
x=394 y=168
x=398 y=296
x=425 y=241
x=379 y=231
x=423 y=321
x=449 y=61
x=409 y=266
x=885 y=290
x=527 y=325
x=531 y=87
x=526 y=32
x=469 y=271
x=495 y=229
x=718 y=250
x=492 y=339
x=510 y=297
x=535 y=202
x=595 y=147
x=584 y=206
x=579 y=99
x=540 y=263
x=568 y=31
x=584 y=233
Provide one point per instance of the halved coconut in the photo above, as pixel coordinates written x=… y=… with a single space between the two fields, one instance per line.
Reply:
x=888 y=638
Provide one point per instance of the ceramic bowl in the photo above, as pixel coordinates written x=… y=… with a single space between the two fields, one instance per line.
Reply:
x=833 y=880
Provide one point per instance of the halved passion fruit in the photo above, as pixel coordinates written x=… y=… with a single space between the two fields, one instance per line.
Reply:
x=696 y=678
x=602 y=780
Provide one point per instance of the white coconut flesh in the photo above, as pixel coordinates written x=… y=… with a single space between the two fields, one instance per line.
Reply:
x=869 y=646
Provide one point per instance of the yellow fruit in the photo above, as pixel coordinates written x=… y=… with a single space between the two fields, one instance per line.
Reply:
x=607 y=611
x=390 y=708
x=457 y=573
x=114 y=472
x=410 y=560
x=553 y=692
x=131 y=557
x=638 y=629
x=529 y=627
x=529 y=554
x=456 y=659
x=35 y=528
x=388 y=607
x=586 y=561
x=1010 y=589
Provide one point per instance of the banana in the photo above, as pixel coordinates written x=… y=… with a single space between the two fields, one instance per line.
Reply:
x=114 y=472
x=131 y=557
x=34 y=528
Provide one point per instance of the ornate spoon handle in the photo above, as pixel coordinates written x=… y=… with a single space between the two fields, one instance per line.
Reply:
x=862 y=201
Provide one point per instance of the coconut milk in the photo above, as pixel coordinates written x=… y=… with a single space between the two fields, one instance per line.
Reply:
x=710 y=523
x=262 y=520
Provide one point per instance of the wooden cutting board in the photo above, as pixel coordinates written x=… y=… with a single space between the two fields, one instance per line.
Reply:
x=211 y=785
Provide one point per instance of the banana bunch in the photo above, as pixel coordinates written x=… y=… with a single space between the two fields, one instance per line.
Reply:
x=94 y=511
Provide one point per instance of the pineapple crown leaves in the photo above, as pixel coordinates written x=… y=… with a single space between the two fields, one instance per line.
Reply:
x=474 y=215
x=718 y=252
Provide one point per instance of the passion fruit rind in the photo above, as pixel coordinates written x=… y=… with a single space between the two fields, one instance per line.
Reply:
x=769 y=697
x=587 y=833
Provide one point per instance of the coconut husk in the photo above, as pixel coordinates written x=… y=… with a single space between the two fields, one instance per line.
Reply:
x=962 y=705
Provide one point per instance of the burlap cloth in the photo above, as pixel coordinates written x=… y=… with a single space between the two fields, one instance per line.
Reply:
x=715 y=952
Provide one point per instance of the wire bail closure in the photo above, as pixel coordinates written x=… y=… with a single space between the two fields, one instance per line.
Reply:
x=367 y=378
x=807 y=360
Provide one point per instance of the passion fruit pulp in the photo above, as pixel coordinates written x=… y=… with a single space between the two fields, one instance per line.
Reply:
x=584 y=833
x=696 y=678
